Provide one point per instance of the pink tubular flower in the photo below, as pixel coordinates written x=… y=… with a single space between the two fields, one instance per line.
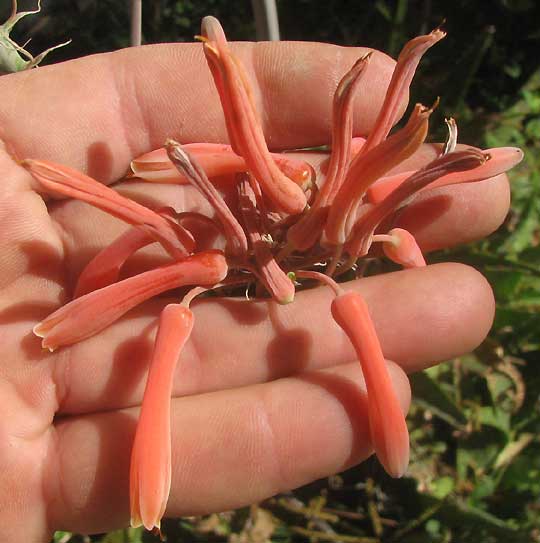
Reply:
x=499 y=161
x=369 y=166
x=104 y=268
x=74 y=184
x=243 y=122
x=387 y=424
x=150 y=471
x=307 y=230
x=91 y=313
x=216 y=159
x=457 y=161
x=400 y=246
x=399 y=85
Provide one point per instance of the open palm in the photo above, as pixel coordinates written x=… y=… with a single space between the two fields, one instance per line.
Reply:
x=266 y=398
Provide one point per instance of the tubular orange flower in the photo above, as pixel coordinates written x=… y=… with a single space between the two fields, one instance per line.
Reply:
x=500 y=160
x=399 y=85
x=387 y=424
x=91 y=313
x=307 y=230
x=243 y=122
x=216 y=159
x=105 y=267
x=458 y=161
x=150 y=471
x=368 y=167
x=400 y=246
x=69 y=182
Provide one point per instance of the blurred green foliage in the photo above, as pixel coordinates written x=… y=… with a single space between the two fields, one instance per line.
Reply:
x=475 y=422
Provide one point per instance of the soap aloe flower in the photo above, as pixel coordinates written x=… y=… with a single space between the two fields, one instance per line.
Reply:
x=501 y=160
x=387 y=425
x=275 y=235
x=361 y=237
x=217 y=160
x=305 y=233
x=150 y=469
x=93 y=312
x=194 y=173
x=243 y=122
x=74 y=184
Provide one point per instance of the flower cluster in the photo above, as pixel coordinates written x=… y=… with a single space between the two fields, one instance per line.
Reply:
x=278 y=231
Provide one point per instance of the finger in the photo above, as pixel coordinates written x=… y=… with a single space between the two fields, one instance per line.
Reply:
x=230 y=448
x=421 y=316
x=97 y=113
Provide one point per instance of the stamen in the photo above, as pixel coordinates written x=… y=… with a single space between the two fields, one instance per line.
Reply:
x=451 y=142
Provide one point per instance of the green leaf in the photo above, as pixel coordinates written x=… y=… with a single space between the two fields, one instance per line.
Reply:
x=440 y=488
x=495 y=417
x=512 y=450
x=505 y=283
x=61 y=537
x=478 y=451
x=523 y=235
x=429 y=395
x=129 y=535
x=13 y=57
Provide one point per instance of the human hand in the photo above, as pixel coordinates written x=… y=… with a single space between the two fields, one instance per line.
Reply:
x=266 y=398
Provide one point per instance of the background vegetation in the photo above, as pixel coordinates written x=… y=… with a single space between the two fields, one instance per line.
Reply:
x=475 y=421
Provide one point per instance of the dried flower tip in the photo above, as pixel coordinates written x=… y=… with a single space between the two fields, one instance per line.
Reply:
x=451 y=142
x=498 y=160
x=188 y=166
x=276 y=281
x=458 y=161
